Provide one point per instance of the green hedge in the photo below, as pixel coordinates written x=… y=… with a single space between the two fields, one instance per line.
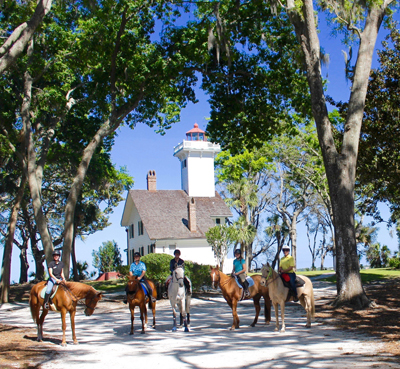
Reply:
x=394 y=263
x=158 y=270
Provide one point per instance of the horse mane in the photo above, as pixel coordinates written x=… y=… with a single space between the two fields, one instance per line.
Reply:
x=79 y=288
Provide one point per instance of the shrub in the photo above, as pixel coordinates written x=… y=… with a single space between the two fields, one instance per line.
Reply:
x=394 y=263
x=158 y=270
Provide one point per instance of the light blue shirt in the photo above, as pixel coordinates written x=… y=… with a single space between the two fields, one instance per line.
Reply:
x=137 y=269
x=238 y=264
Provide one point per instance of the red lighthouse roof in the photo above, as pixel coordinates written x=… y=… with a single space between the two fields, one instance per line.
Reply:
x=196 y=134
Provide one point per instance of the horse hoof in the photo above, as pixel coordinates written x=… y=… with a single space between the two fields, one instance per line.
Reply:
x=76 y=343
x=276 y=329
x=174 y=329
x=142 y=332
x=231 y=328
x=186 y=329
x=64 y=344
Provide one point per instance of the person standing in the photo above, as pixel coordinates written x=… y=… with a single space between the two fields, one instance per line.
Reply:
x=286 y=265
x=138 y=269
x=239 y=270
x=56 y=276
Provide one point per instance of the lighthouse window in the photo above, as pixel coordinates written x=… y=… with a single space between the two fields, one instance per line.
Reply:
x=183 y=163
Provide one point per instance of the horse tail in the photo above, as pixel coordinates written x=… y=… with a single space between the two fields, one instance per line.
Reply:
x=312 y=300
x=33 y=302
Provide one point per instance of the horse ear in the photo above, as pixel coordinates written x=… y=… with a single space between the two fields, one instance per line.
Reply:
x=268 y=264
x=217 y=267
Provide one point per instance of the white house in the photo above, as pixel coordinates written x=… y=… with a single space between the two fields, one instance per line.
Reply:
x=161 y=221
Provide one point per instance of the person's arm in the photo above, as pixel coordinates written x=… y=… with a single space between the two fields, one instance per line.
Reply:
x=142 y=275
x=51 y=274
x=287 y=270
x=130 y=274
x=62 y=275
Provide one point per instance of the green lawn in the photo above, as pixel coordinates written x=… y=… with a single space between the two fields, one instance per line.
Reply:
x=367 y=275
x=112 y=285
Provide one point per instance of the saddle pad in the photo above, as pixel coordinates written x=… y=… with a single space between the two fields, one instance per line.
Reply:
x=248 y=279
x=144 y=288
x=43 y=292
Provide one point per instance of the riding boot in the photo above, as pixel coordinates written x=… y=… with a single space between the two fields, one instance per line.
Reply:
x=46 y=301
x=246 y=288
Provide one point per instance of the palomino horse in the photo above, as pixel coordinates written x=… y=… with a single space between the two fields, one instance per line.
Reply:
x=279 y=295
x=137 y=297
x=65 y=300
x=177 y=296
x=233 y=293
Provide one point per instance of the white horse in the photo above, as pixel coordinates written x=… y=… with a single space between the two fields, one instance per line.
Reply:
x=177 y=296
x=279 y=295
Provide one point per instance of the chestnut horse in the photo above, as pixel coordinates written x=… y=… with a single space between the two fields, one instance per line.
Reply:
x=65 y=300
x=137 y=297
x=279 y=295
x=233 y=293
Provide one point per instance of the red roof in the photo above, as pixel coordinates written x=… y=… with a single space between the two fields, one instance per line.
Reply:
x=196 y=129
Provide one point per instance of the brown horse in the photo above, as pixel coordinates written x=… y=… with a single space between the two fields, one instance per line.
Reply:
x=65 y=300
x=279 y=295
x=137 y=297
x=232 y=294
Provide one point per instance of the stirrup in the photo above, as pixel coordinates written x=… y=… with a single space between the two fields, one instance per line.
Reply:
x=46 y=306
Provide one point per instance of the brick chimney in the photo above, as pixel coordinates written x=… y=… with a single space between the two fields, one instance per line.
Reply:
x=192 y=215
x=151 y=181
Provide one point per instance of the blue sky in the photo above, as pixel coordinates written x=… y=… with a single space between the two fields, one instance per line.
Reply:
x=141 y=150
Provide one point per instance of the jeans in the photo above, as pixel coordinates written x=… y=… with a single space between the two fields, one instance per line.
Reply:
x=50 y=283
x=293 y=282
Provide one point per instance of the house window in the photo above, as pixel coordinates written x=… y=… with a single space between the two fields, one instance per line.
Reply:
x=131 y=231
x=217 y=221
x=171 y=247
x=140 y=228
x=142 y=251
x=132 y=252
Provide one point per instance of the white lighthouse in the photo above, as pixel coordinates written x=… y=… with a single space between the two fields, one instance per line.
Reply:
x=197 y=155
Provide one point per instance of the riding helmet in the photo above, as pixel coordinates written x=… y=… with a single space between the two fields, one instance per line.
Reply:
x=237 y=251
x=57 y=252
x=285 y=247
x=136 y=254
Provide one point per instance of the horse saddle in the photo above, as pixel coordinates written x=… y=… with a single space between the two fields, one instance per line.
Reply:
x=52 y=294
x=53 y=291
x=286 y=282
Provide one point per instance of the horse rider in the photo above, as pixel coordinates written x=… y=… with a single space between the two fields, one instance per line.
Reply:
x=56 y=276
x=286 y=265
x=138 y=269
x=239 y=271
x=175 y=262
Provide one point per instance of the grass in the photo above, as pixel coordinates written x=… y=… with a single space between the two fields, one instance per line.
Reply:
x=367 y=275
x=112 y=285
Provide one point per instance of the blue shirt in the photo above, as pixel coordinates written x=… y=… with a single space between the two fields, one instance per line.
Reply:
x=238 y=264
x=137 y=269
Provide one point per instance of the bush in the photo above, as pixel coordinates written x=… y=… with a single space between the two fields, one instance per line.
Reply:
x=394 y=263
x=158 y=270
x=123 y=270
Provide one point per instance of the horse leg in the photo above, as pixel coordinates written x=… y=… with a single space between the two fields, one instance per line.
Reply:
x=174 y=329
x=40 y=321
x=236 y=320
x=305 y=302
x=283 y=329
x=188 y=299
x=276 y=316
x=143 y=316
x=132 y=309
x=64 y=327
x=153 y=309
x=267 y=309
x=256 y=303
x=72 y=317
x=183 y=313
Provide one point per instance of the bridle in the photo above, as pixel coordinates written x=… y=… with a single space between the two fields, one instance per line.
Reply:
x=268 y=277
x=174 y=274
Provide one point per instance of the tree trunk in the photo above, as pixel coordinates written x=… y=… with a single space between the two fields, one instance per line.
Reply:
x=23 y=277
x=73 y=259
x=340 y=168
x=18 y=40
x=7 y=255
